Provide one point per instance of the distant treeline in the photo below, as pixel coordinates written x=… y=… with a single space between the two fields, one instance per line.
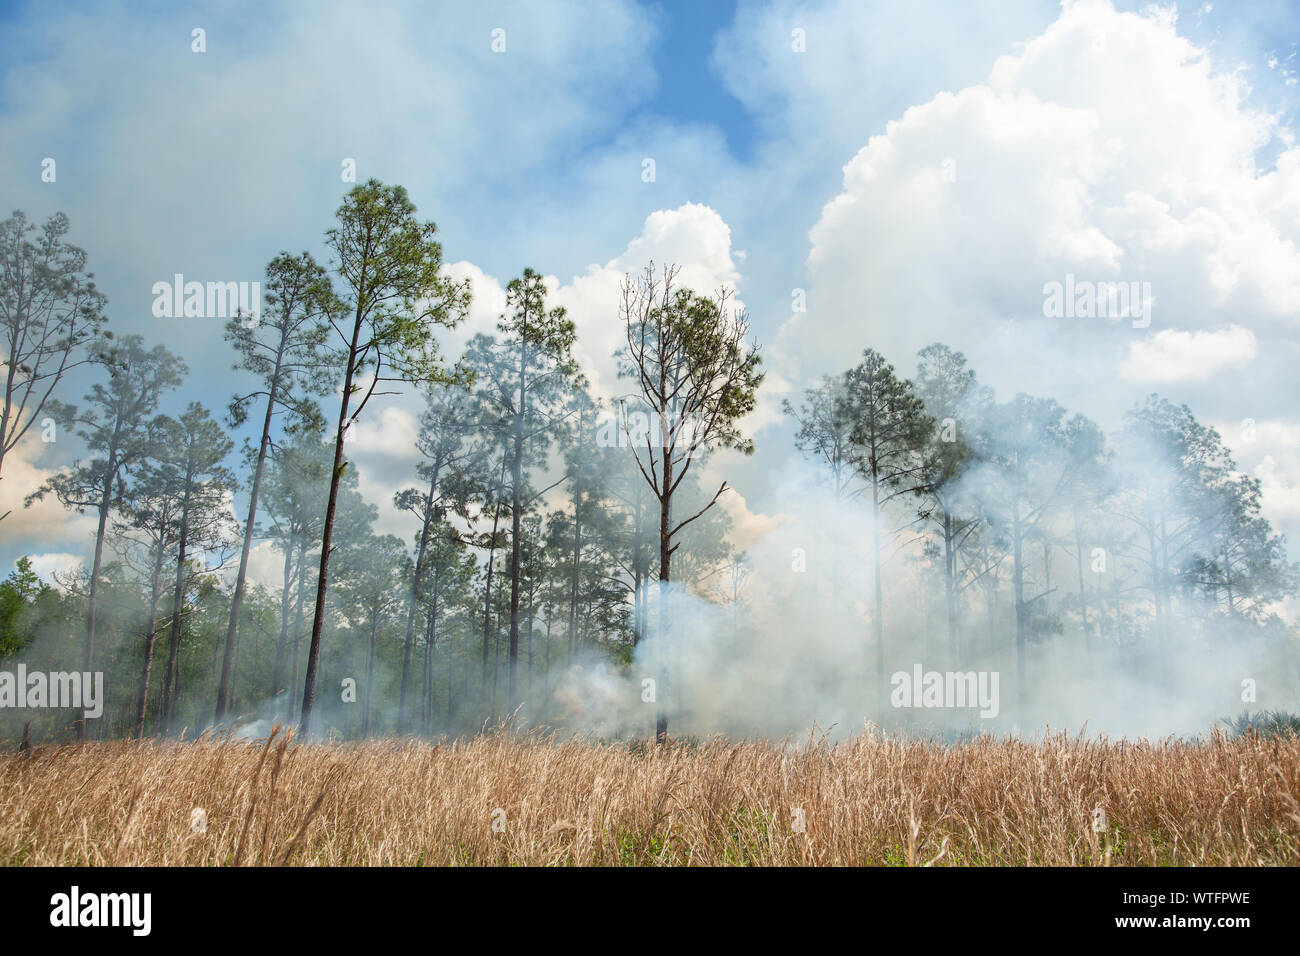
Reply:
x=539 y=533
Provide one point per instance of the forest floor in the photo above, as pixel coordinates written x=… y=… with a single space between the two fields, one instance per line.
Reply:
x=509 y=799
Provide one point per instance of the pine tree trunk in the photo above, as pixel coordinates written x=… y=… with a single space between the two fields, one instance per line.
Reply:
x=370 y=675
x=487 y=590
x=327 y=536
x=299 y=595
x=1018 y=582
x=430 y=644
x=950 y=584
x=282 y=645
x=516 y=514
x=174 y=638
x=92 y=596
x=573 y=574
x=665 y=560
x=1083 y=591
x=879 y=607
x=151 y=636
x=237 y=601
x=420 y=552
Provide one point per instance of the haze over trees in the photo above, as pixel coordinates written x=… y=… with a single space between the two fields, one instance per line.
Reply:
x=697 y=378
x=114 y=426
x=284 y=350
x=558 y=558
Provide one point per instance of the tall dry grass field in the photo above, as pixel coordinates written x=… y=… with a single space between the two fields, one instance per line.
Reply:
x=507 y=799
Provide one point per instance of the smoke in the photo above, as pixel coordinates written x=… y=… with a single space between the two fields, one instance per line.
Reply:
x=780 y=641
x=798 y=655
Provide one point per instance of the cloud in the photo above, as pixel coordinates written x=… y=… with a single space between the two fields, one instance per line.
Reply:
x=1280 y=488
x=265 y=566
x=34 y=528
x=1176 y=356
x=1110 y=148
x=210 y=163
x=1107 y=145
x=952 y=219
x=1270 y=451
x=52 y=566
x=237 y=152
x=693 y=236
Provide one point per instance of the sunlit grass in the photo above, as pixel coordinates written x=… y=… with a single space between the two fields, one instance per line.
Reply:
x=506 y=799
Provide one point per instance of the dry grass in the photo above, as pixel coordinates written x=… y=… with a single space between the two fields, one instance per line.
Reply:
x=871 y=801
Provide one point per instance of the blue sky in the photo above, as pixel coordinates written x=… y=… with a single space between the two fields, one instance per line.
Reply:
x=689 y=88
x=775 y=171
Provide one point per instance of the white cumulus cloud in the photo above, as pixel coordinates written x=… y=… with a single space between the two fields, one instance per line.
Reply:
x=1172 y=355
